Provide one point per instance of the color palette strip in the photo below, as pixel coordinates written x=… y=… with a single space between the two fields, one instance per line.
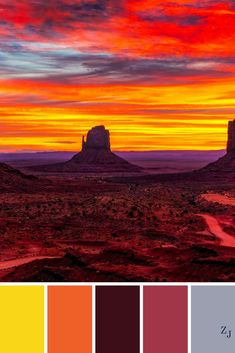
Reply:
x=116 y=318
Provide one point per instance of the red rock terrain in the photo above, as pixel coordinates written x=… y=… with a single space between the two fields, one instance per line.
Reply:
x=101 y=230
x=12 y=179
x=172 y=227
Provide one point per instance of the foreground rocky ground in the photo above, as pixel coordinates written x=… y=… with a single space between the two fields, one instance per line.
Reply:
x=80 y=229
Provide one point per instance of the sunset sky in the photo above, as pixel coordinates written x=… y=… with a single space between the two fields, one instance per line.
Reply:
x=157 y=74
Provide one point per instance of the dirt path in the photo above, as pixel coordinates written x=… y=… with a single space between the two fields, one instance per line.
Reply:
x=215 y=229
x=219 y=198
x=4 y=265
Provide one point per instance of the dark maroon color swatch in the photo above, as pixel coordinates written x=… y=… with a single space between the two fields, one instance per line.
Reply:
x=117 y=319
x=165 y=319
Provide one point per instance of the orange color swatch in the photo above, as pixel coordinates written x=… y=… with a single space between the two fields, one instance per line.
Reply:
x=69 y=319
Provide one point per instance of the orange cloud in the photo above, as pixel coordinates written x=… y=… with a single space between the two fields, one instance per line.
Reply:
x=158 y=74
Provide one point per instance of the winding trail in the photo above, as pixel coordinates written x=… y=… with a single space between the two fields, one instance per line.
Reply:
x=219 y=198
x=215 y=229
x=4 y=265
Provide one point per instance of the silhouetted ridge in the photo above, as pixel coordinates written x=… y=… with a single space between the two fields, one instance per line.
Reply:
x=12 y=180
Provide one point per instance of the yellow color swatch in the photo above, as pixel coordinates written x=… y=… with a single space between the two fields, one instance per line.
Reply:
x=21 y=319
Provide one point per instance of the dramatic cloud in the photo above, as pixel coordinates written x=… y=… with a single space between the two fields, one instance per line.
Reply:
x=136 y=66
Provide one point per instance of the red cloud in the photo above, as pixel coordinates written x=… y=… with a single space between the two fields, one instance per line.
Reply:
x=134 y=28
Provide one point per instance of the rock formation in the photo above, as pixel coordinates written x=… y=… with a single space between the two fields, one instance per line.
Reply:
x=97 y=138
x=231 y=137
x=227 y=162
x=95 y=157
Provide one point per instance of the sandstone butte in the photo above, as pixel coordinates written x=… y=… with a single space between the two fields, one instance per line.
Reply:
x=95 y=157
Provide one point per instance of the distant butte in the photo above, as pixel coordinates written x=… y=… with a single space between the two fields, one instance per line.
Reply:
x=227 y=162
x=95 y=157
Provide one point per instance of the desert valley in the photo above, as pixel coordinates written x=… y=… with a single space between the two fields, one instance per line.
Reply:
x=98 y=217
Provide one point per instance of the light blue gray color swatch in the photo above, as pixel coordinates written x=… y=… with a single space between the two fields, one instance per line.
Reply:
x=213 y=319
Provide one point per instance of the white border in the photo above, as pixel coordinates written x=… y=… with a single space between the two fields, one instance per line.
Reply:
x=90 y=284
